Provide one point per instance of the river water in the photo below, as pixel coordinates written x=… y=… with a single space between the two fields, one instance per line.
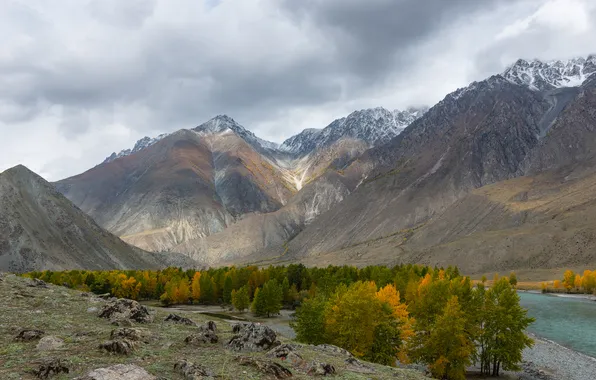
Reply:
x=568 y=321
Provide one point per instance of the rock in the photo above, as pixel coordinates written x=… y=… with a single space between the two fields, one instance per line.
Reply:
x=37 y=283
x=85 y=294
x=202 y=337
x=180 y=320
x=356 y=365
x=50 y=367
x=320 y=369
x=119 y=372
x=191 y=371
x=123 y=308
x=333 y=349
x=208 y=326
x=268 y=368
x=133 y=334
x=253 y=337
x=120 y=347
x=92 y=309
x=104 y=296
x=28 y=335
x=49 y=343
x=288 y=353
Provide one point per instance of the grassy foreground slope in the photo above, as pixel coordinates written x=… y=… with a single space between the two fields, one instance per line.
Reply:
x=72 y=318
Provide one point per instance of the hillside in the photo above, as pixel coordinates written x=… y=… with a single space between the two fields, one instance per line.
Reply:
x=455 y=209
x=41 y=229
x=190 y=190
x=70 y=333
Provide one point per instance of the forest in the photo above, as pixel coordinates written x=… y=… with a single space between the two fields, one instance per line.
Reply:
x=405 y=313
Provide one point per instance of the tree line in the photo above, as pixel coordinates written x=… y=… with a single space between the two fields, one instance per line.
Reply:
x=573 y=283
x=408 y=313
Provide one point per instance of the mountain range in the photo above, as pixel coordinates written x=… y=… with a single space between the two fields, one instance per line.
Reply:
x=496 y=176
x=41 y=229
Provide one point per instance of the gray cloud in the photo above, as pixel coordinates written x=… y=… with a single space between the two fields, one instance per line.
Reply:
x=79 y=80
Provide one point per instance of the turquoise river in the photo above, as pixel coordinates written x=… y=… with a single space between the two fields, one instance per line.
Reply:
x=568 y=321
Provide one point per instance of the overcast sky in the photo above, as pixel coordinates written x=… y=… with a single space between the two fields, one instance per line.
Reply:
x=80 y=79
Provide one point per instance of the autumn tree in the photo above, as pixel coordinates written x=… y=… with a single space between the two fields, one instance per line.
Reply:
x=448 y=349
x=503 y=337
x=568 y=279
x=240 y=298
x=196 y=287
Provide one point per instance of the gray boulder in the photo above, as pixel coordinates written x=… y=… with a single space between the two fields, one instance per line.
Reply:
x=252 y=337
x=29 y=335
x=125 y=309
x=191 y=371
x=175 y=318
x=119 y=372
x=48 y=368
x=119 y=347
x=49 y=343
x=268 y=368
x=133 y=334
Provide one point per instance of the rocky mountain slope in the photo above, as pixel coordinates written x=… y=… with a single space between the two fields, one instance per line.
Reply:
x=420 y=204
x=56 y=330
x=172 y=192
x=543 y=76
x=41 y=229
x=362 y=190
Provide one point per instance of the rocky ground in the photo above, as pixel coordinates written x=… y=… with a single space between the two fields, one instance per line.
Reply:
x=550 y=361
x=48 y=331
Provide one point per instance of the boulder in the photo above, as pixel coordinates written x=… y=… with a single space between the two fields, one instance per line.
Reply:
x=37 y=283
x=268 y=368
x=208 y=326
x=133 y=334
x=29 y=335
x=356 y=365
x=48 y=368
x=119 y=347
x=175 y=318
x=92 y=310
x=119 y=372
x=191 y=371
x=125 y=309
x=332 y=349
x=202 y=337
x=320 y=369
x=49 y=343
x=287 y=352
x=252 y=337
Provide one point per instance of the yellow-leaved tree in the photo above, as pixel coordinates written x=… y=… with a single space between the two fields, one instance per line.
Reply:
x=390 y=296
x=196 y=287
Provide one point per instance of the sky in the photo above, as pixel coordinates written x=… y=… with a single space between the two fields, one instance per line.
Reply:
x=80 y=79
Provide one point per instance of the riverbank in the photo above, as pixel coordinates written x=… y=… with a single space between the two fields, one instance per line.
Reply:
x=550 y=361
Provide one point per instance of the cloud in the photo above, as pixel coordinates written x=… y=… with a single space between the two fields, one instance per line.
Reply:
x=80 y=79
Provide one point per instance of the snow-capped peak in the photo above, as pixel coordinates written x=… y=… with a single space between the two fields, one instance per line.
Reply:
x=222 y=122
x=373 y=125
x=141 y=144
x=541 y=76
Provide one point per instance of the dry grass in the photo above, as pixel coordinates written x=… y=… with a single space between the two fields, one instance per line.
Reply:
x=64 y=313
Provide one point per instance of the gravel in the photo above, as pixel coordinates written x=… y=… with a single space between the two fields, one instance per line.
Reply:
x=550 y=361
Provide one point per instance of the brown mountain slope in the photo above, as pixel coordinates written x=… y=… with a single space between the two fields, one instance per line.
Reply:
x=41 y=229
x=542 y=220
x=473 y=137
x=525 y=223
x=188 y=185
